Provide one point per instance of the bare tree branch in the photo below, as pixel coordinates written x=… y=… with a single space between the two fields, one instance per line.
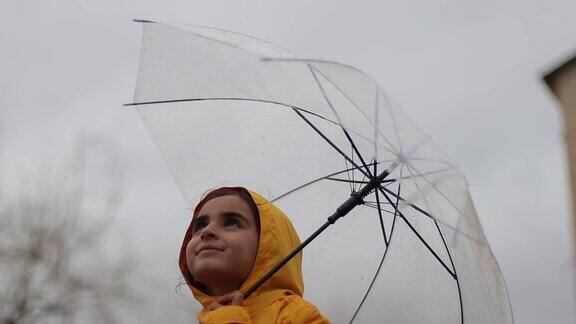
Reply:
x=51 y=235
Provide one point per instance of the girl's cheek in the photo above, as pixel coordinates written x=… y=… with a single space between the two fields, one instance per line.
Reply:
x=190 y=247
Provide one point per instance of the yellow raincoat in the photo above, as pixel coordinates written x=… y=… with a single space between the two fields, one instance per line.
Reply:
x=278 y=300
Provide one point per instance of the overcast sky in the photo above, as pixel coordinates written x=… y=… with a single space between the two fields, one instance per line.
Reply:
x=467 y=72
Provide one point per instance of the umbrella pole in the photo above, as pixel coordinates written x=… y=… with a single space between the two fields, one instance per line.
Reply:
x=355 y=199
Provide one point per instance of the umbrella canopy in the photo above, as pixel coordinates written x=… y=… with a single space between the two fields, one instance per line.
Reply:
x=228 y=109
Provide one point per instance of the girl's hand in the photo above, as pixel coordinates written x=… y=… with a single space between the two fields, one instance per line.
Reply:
x=233 y=298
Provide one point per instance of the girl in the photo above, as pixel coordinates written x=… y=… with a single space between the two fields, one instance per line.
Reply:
x=234 y=238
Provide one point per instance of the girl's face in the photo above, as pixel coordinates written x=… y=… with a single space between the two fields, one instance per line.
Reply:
x=224 y=244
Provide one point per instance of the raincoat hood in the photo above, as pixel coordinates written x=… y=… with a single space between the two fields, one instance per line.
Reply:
x=277 y=239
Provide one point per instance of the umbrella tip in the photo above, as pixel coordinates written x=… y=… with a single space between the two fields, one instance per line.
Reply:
x=142 y=20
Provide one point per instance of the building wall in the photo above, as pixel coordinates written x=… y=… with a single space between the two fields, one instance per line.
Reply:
x=563 y=83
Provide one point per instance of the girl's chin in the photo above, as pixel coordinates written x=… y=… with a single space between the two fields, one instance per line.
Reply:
x=211 y=272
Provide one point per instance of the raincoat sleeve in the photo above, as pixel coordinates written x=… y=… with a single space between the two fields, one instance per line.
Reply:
x=301 y=312
x=230 y=314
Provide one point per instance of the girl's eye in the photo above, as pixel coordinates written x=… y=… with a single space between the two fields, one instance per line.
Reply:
x=199 y=225
x=232 y=222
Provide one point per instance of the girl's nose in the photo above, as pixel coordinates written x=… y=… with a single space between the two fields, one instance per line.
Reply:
x=208 y=232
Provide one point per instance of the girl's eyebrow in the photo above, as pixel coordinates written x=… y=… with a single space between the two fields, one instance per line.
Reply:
x=235 y=215
x=226 y=214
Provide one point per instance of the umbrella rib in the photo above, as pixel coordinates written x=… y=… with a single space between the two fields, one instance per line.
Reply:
x=371 y=284
x=364 y=177
x=374 y=206
x=348 y=176
x=416 y=176
x=387 y=181
x=358 y=181
x=443 y=196
x=432 y=160
x=376 y=118
x=143 y=103
x=427 y=214
x=332 y=144
x=419 y=190
x=433 y=186
x=422 y=174
x=445 y=246
x=395 y=125
x=380 y=209
x=399 y=189
x=434 y=220
x=419 y=236
x=338 y=117
x=307 y=61
x=455 y=272
x=349 y=181
x=357 y=108
x=381 y=260
x=352 y=173
x=376 y=202
x=311 y=182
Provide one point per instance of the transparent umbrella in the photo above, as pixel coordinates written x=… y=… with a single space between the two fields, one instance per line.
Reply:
x=228 y=109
